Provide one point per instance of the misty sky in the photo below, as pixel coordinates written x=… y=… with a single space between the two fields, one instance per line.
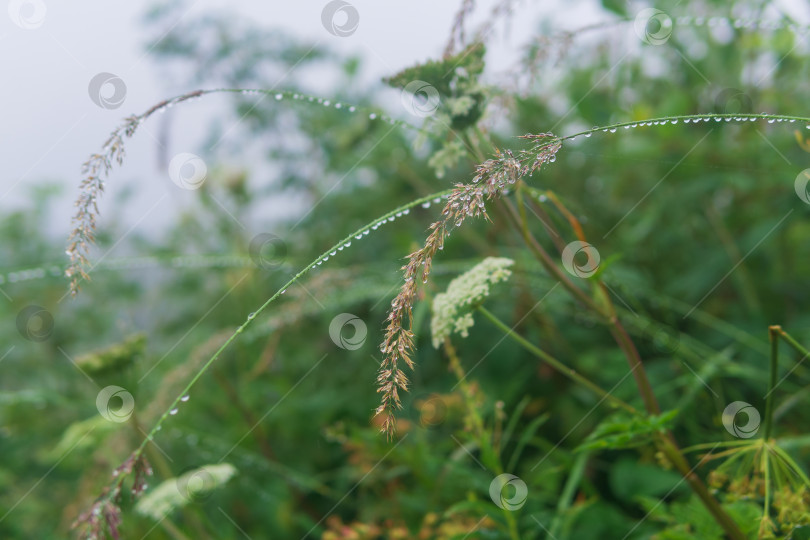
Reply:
x=50 y=124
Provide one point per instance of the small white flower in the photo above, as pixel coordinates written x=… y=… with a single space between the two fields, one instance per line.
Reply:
x=452 y=309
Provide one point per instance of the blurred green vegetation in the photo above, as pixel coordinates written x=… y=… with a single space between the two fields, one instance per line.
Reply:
x=703 y=243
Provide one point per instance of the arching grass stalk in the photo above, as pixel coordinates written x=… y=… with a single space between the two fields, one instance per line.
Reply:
x=468 y=199
x=98 y=166
x=463 y=201
x=106 y=505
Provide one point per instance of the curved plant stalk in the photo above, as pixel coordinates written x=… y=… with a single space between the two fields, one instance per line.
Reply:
x=106 y=506
x=556 y=364
x=97 y=168
x=463 y=201
x=468 y=199
x=603 y=306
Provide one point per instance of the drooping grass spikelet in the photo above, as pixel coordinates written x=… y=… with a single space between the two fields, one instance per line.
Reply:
x=492 y=178
x=94 y=172
x=105 y=514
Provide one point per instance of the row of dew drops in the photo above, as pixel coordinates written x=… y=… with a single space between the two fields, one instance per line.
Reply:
x=739 y=23
x=695 y=119
x=359 y=235
x=278 y=96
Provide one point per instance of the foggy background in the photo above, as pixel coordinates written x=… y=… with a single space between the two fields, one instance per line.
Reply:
x=50 y=125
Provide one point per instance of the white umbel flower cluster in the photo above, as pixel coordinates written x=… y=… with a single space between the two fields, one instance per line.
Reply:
x=452 y=309
x=177 y=492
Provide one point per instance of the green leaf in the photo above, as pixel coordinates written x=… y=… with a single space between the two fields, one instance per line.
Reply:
x=622 y=431
x=630 y=479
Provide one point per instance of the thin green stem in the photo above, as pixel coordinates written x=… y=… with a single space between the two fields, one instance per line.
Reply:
x=666 y=444
x=773 y=335
x=793 y=343
x=636 y=366
x=553 y=362
x=455 y=365
x=545 y=259
x=687 y=118
x=325 y=255
x=666 y=441
x=668 y=447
